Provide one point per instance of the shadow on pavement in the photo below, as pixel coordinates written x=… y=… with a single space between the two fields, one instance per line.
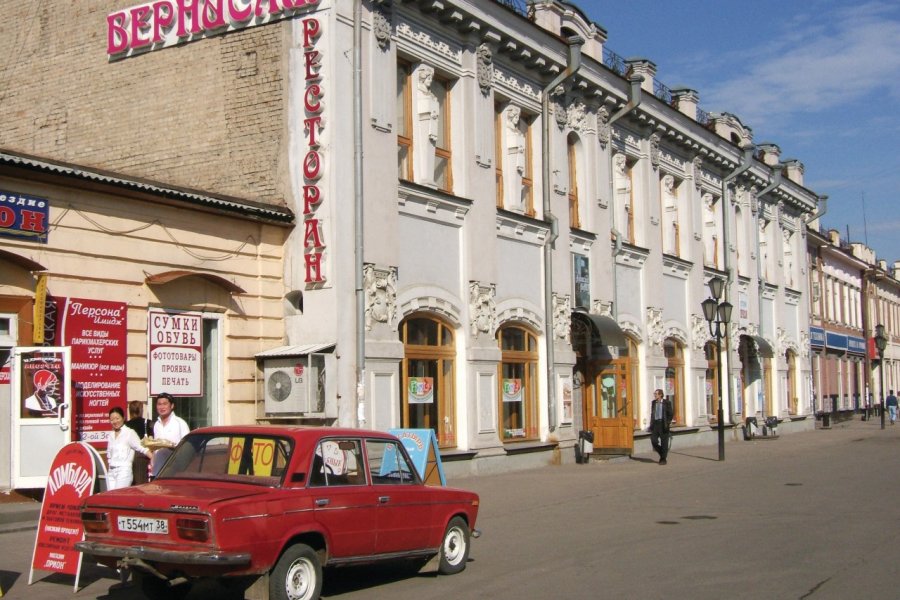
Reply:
x=351 y=579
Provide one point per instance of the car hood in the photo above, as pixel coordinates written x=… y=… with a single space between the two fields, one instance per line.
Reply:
x=188 y=496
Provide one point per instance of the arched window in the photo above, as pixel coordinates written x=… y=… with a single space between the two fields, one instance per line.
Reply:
x=792 y=392
x=427 y=394
x=574 y=209
x=674 y=383
x=518 y=384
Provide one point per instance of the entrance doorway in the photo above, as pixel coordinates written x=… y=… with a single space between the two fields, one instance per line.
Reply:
x=607 y=361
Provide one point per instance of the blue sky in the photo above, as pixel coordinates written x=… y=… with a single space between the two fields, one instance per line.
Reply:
x=820 y=78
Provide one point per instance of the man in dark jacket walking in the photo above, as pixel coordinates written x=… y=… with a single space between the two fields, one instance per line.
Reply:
x=661 y=414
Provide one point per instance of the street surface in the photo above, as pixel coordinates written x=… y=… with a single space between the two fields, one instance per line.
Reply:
x=810 y=516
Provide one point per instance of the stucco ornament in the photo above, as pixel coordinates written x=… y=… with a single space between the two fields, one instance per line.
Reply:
x=576 y=116
x=427 y=106
x=381 y=27
x=654 y=326
x=696 y=170
x=804 y=343
x=560 y=114
x=562 y=316
x=699 y=331
x=603 y=129
x=381 y=295
x=482 y=308
x=484 y=67
x=602 y=308
x=654 y=150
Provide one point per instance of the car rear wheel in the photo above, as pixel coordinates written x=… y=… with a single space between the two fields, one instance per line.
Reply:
x=297 y=575
x=454 y=547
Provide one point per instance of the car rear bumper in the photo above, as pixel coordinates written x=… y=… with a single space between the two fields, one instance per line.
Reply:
x=207 y=559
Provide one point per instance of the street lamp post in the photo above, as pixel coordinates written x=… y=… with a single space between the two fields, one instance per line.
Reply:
x=718 y=314
x=881 y=344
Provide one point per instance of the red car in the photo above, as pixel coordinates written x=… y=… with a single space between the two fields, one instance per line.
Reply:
x=272 y=506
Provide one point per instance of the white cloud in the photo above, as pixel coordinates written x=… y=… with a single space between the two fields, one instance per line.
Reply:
x=830 y=60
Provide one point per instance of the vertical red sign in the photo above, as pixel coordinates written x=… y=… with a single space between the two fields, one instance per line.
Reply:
x=96 y=331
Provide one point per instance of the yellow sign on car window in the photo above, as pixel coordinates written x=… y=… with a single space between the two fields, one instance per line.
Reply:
x=261 y=457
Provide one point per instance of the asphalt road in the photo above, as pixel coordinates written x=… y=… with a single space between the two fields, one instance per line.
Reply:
x=811 y=515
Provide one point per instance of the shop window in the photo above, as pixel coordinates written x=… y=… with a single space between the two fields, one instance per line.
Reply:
x=428 y=395
x=712 y=381
x=674 y=381
x=518 y=384
x=204 y=410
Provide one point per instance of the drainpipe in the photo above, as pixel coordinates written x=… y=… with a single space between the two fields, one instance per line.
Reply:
x=574 y=42
x=359 y=419
x=760 y=282
x=745 y=165
x=823 y=208
x=634 y=99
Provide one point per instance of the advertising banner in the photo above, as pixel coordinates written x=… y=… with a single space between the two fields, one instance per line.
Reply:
x=71 y=479
x=176 y=352
x=24 y=217
x=96 y=331
x=42 y=384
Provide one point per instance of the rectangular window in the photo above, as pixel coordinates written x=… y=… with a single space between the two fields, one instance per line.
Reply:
x=527 y=175
x=404 y=122
x=574 y=219
x=443 y=173
x=498 y=153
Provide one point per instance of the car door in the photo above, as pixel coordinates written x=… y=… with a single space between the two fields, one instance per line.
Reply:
x=343 y=502
x=404 y=514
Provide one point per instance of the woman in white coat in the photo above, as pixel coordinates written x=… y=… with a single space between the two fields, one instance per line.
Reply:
x=122 y=443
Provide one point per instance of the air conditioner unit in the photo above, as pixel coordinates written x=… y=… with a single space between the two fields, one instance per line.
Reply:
x=295 y=385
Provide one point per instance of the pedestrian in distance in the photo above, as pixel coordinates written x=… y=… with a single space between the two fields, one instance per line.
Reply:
x=122 y=445
x=142 y=426
x=169 y=427
x=661 y=414
x=892 y=406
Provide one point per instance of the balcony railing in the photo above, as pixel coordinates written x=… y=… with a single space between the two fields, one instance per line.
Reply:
x=614 y=62
x=662 y=92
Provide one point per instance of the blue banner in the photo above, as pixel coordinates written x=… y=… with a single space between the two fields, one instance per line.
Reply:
x=24 y=217
x=856 y=345
x=816 y=336
x=836 y=341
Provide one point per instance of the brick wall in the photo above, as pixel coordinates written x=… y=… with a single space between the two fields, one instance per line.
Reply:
x=210 y=114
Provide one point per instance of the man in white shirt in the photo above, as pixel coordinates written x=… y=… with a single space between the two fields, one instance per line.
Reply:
x=168 y=426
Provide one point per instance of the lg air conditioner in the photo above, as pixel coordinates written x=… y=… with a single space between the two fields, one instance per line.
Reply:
x=294 y=386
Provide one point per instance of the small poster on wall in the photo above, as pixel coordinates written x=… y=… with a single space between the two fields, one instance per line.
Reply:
x=512 y=390
x=421 y=390
x=176 y=352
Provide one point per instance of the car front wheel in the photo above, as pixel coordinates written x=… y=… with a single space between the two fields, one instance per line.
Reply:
x=454 y=547
x=297 y=575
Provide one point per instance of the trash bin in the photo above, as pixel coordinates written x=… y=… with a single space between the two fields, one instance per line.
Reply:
x=585 y=445
x=826 y=419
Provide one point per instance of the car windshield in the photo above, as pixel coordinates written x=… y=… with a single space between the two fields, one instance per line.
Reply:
x=245 y=458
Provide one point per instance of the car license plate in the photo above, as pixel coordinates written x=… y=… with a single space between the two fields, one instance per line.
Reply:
x=143 y=525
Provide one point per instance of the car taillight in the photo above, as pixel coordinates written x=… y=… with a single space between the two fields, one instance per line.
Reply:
x=95 y=522
x=193 y=529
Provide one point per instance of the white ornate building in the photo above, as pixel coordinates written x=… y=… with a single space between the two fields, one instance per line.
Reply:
x=505 y=231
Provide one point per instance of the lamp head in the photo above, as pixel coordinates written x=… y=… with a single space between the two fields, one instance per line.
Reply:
x=709 y=309
x=716 y=287
x=880 y=339
x=725 y=312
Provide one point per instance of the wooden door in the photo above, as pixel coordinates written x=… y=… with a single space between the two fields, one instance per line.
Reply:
x=608 y=398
